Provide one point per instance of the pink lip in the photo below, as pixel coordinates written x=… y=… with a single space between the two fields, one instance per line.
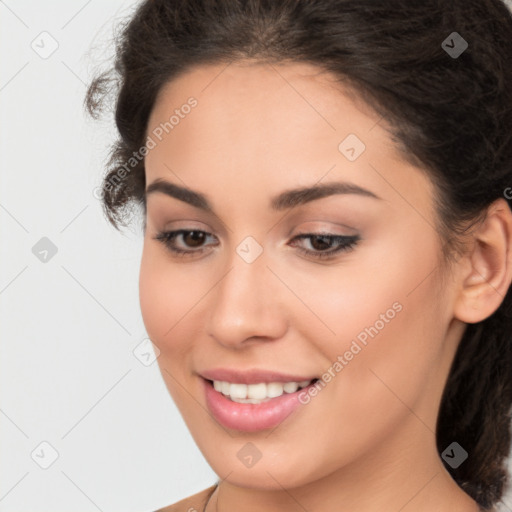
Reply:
x=251 y=417
x=253 y=376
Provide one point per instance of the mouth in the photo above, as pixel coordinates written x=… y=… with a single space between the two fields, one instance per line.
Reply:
x=253 y=407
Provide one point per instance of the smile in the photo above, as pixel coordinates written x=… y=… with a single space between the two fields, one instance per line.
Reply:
x=257 y=393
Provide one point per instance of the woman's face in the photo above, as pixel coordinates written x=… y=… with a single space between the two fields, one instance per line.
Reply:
x=254 y=302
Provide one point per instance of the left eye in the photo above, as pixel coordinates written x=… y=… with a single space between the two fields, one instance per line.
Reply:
x=319 y=241
x=343 y=243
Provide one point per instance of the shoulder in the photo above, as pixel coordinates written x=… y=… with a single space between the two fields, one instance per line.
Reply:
x=194 y=503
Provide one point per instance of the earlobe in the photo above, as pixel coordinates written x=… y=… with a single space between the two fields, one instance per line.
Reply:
x=486 y=273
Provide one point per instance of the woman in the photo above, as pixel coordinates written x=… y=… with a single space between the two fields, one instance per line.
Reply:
x=327 y=243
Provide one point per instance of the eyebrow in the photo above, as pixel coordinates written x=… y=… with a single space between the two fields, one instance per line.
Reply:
x=284 y=200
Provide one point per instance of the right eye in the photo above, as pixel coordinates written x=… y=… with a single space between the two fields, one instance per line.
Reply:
x=190 y=237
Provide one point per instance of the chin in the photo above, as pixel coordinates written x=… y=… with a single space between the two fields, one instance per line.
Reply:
x=265 y=476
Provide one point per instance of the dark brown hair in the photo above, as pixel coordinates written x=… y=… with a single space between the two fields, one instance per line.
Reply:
x=451 y=115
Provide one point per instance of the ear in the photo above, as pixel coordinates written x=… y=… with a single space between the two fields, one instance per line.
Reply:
x=486 y=270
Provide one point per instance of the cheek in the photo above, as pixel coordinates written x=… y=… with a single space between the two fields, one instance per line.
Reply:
x=163 y=297
x=382 y=317
x=172 y=302
x=153 y=302
x=164 y=302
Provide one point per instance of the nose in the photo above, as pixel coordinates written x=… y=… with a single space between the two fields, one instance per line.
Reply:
x=247 y=305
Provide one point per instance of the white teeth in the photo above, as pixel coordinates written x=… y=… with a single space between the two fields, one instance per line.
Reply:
x=225 y=388
x=291 y=387
x=239 y=391
x=274 y=389
x=257 y=393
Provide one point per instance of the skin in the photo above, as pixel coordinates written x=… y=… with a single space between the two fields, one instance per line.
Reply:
x=366 y=442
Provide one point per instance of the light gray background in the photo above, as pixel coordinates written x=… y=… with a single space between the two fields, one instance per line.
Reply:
x=68 y=373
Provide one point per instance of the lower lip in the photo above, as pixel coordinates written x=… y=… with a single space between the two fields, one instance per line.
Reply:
x=251 y=417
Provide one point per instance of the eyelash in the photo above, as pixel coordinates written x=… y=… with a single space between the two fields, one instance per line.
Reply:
x=347 y=243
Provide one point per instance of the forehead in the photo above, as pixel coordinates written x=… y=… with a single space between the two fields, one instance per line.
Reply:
x=281 y=122
x=259 y=95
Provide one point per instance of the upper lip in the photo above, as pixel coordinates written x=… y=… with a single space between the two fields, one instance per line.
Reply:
x=252 y=376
